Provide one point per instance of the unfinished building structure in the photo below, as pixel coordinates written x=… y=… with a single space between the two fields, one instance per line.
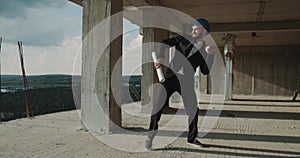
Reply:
x=260 y=39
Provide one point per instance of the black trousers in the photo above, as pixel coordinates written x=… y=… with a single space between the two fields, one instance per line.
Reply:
x=185 y=87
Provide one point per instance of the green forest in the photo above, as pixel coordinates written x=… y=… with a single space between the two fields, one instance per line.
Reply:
x=51 y=93
x=46 y=94
x=37 y=81
x=41 y=101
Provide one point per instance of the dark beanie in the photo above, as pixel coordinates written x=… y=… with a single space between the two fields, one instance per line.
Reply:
x=203 y=22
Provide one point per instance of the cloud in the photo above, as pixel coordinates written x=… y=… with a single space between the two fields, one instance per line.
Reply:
x=136 y=41
x=41 y=60
x=56 y=59
x=39 y=22
x=18 y=8
x=31 y=33
x=130 y=32
x=132 y=56
x=50 y=31
x=132 y=49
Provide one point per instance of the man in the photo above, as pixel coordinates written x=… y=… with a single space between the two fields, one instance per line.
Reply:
x=191 y=52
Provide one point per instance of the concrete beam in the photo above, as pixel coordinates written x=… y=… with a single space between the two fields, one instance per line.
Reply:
x=79 y=2
x=270 y=49
x=254 y=26
x=127 y=3
x=135 y=3
x=155 y=3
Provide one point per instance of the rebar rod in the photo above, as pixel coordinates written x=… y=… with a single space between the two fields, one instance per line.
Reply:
x=24 y=78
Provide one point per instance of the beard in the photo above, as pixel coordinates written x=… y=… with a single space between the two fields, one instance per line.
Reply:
x=198 y=36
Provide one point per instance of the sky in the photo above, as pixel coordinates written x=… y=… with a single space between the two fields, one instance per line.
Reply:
x=51 y=34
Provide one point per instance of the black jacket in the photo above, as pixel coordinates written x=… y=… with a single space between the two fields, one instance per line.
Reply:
x=183 y=47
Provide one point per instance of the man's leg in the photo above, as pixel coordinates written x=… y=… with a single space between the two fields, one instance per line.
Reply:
x=190 y=105
x=160 y=100
x=193 y=127
x=191 y=108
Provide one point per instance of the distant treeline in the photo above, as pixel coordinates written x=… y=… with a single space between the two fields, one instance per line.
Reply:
x=53 y=93
x=131 y=88
x=46 y=93
x=41 y=101
x=37 y=81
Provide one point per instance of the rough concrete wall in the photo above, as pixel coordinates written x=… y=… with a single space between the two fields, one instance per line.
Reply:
x=266 y=71
x=242 y=73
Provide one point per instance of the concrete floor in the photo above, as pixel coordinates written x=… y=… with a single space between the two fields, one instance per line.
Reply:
x=243 y=129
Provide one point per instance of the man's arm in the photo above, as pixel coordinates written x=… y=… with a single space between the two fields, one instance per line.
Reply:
x=167 y=43
x=207 y=60
x=164 y=45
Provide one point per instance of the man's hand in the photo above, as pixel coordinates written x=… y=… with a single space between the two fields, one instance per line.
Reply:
x=158 y=63
x=210 y=50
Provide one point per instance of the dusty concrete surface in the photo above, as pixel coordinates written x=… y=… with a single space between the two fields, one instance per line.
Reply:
x=244 y=129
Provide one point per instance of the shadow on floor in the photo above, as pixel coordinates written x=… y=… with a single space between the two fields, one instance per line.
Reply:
x=270 y=153
x=239 y=114
x=239 y=151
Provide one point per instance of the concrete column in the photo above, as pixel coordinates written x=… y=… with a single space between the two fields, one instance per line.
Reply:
x=203 y=83
x=147 y=69
x=149 y=76
x=99 y=109
x=229 y=49
x=150 y=35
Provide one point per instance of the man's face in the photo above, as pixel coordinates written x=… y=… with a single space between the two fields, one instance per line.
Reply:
x=198 y=31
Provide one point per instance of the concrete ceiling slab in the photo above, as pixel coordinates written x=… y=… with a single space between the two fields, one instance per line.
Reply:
x=276 y=22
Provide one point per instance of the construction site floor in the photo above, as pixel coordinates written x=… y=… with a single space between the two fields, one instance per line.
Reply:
x=234 y=129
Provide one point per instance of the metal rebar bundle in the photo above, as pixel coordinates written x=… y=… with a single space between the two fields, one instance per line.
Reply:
x=24 y=78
